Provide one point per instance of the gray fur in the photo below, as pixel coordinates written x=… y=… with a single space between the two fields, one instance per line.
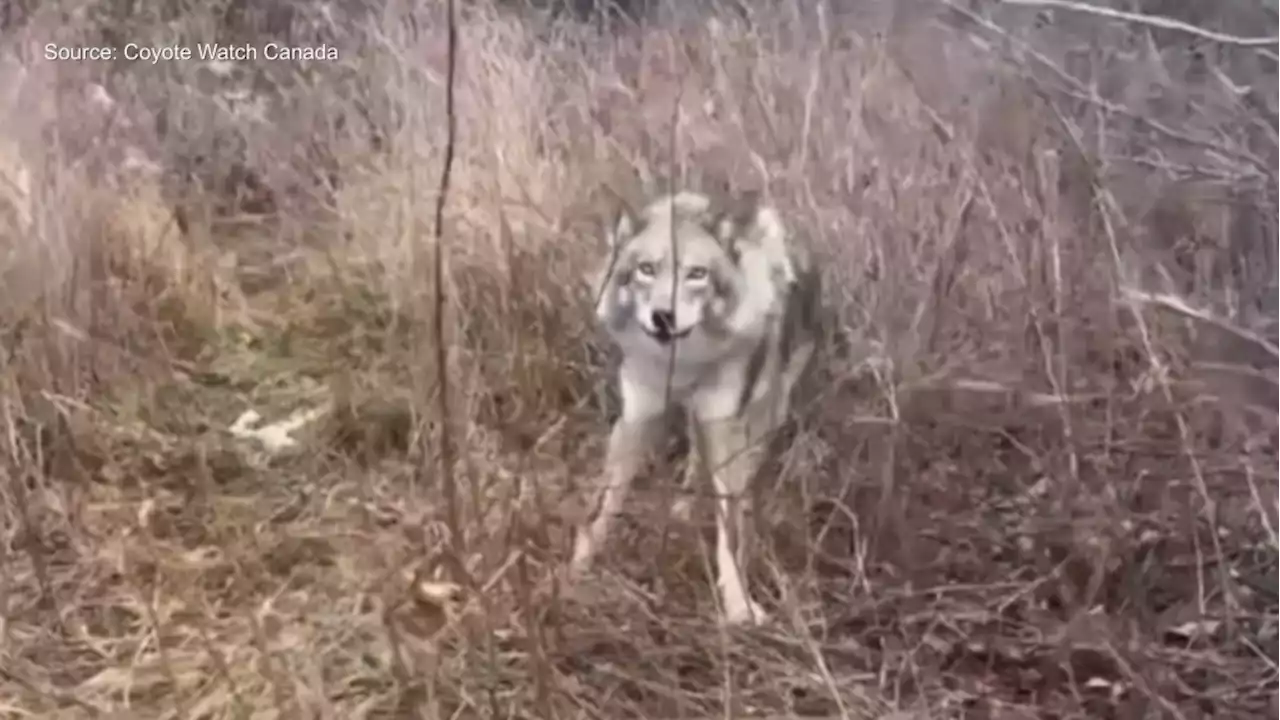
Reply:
x=716 y=311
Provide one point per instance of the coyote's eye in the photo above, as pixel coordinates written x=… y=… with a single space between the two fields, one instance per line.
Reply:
x=646 y=269
x=696 y=273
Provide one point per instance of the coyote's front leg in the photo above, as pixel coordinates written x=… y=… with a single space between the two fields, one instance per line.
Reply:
x=733 y=460
x=629 y=444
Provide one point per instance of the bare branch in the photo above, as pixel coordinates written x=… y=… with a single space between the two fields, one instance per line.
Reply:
x=1157 y=21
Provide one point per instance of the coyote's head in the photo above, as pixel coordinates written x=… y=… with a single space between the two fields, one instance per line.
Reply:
x=689 y=264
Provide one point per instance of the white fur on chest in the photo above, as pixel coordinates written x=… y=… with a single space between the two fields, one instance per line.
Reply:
x=710 y=386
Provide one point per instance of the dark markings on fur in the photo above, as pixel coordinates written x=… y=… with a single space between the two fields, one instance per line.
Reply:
x=799 y=320
x=638 y=225
x=755 y=368
x=714 y=323
x=729 y=213
x=724 y=227
x=802 y=311
x=715 y=327
x=620 y=273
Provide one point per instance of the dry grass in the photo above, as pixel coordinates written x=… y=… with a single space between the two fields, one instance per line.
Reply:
x=1040 y=479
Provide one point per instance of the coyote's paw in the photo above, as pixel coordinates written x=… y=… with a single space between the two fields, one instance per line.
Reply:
x=745 y=613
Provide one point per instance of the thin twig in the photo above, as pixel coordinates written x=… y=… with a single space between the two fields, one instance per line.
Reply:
x=1157 y=21
x=1180 y=306
x=1078 y=90
x=448 y=482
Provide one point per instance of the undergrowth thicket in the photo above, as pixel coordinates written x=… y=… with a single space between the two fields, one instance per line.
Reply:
x=1038 y=478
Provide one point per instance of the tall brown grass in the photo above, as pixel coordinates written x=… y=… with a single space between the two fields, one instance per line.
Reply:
x=1037 y=476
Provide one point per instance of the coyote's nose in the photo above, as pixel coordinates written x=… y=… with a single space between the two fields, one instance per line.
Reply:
x=664 y=322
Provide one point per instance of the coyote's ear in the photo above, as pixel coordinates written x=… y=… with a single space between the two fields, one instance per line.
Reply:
x=743 y=223
x=622 y=229
x=734 y=219
x=769 y=235
x=730 y=218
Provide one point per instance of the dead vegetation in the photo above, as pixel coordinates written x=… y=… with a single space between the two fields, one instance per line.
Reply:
x=1036 y=478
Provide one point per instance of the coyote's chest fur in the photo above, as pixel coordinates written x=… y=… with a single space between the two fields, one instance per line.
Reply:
x=745 y=371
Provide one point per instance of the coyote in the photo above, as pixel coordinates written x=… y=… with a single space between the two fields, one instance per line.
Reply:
x=715 y=311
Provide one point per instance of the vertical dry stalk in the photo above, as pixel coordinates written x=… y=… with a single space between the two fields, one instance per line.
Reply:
x=448 y=482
